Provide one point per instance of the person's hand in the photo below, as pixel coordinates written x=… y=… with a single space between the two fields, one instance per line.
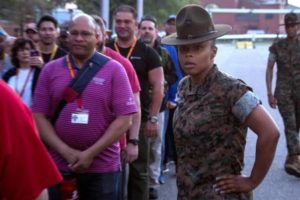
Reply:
x=70 y=155
x=233 y=184
x=131 y=153
x=36 y=61
x=171 y=105
x=151 y=129
x=272 y=101
x=83 y=162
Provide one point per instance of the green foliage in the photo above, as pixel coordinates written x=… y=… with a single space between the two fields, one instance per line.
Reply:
x=23 y=11
x=20 y=11
x=160 y=9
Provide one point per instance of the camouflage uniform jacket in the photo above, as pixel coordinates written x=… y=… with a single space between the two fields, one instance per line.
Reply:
x=209 y=139
x=287 y=57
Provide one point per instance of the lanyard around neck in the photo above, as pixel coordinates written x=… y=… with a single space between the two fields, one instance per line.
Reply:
x=24 y=84
x=53 y=52
x=70 y=68
x=130 y=50
x=72 y=74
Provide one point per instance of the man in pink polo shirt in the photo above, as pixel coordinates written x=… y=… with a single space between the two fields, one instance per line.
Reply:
x=129 y=146
x=129 y=141
x=84 y=139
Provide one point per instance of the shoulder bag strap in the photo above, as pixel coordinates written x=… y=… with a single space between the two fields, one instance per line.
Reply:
x=78 y=84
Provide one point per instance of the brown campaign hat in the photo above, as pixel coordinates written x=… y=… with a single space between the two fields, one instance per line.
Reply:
x=291 y=18
x=194 y=25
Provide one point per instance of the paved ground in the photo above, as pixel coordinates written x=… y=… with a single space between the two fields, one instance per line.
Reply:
x=250 y=65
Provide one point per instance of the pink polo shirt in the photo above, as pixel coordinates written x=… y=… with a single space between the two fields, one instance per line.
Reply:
x=132 y=76
x=106 y=96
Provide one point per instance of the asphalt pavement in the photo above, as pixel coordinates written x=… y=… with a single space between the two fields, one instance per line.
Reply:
x=250 y=66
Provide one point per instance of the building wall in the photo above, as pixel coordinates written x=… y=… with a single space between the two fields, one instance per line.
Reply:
x=241 y=23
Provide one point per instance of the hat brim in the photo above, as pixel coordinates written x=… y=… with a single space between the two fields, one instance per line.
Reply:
x=298 y=22
x=30 y=29
x=220 y=30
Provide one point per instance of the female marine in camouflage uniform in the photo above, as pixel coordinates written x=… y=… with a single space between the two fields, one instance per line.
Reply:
x=213 y=114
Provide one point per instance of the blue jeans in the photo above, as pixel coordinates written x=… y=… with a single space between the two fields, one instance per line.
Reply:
x=99 y=186
x=94 y=186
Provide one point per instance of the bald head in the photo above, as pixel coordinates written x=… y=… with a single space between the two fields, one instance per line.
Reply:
x=84 y=17
x=83 y=36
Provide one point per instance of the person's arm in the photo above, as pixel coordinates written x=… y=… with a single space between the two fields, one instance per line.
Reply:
x=112 y=134
x=133 y=133
x=49 y=136
x=261 y=123
x=43 y=196
x=156 y=79
x=267 y=137
x=269 y=78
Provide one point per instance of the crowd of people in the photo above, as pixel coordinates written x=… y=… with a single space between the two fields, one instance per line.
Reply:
x=106 y=114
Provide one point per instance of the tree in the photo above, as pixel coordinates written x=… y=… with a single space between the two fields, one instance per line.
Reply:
x=22 y=11
x=160 y=9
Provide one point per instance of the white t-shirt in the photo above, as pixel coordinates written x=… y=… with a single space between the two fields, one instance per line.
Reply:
x=17 y=83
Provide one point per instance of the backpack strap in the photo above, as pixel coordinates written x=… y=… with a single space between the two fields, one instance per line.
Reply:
x=81 y=80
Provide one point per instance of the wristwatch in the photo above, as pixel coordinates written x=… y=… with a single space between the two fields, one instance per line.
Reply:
x=153 y=119
x=135 y=142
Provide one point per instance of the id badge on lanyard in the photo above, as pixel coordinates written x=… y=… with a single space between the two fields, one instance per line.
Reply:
x=80 y=116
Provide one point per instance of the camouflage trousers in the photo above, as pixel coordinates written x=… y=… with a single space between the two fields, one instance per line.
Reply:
x=289 y=109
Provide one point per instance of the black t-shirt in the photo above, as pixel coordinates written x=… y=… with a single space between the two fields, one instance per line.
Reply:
x=143 y=59
x=59 y=53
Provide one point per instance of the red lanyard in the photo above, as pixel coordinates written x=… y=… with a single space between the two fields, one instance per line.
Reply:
x=25 y=83
x=72 y=74
x=130 y=50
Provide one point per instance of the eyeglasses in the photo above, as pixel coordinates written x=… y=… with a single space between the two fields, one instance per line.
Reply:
x=83 y=34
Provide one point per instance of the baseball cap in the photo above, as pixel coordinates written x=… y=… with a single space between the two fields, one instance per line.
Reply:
x=31 y=27
x=171 y=19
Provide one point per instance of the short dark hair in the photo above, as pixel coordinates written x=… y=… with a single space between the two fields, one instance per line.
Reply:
x=19 y=44
x=126 y=8
x=149 y=18
x=47 y=18
x=100 y=22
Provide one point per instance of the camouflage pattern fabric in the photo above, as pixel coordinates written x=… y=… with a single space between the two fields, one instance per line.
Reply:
x=209 y=139
x=287 y=91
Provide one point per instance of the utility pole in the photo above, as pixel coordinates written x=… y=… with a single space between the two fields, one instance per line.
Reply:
x=140 y=9
x=105 y=11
